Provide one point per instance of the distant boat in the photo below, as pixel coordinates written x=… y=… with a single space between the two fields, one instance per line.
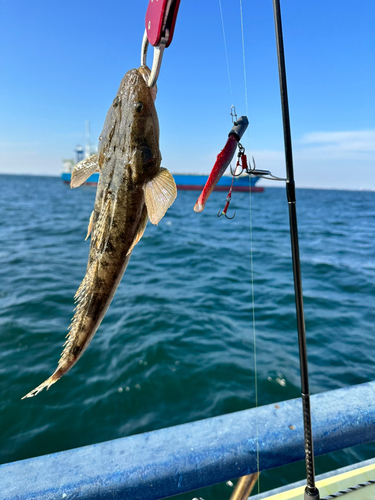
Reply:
x=193 y=182
x=80 y=154
x=188 y=182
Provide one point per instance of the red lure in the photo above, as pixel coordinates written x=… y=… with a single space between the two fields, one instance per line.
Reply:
x=222 y=161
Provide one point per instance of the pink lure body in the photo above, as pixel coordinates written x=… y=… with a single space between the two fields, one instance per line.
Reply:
x=222 y=161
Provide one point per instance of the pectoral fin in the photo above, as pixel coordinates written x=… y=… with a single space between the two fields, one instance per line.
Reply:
x=83 y=170
x=141 y=230
x=100 y=234
x=89 y=229
x=160 y=193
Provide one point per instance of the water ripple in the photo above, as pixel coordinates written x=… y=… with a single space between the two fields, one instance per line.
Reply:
x=177 y=342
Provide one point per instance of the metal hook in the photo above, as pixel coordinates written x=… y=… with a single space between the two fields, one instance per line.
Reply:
x=241 y=152
x=230 y=217
x=265 y=174
x=241 y=149
x=224 y=211
x=220 y=214
x=233 y=172
x=254 y=166
x=156 y=62
x=233 y=113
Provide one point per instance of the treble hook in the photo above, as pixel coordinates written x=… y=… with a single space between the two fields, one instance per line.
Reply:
x=249 y=168
x=233 y=172
x=225 y=209
x=241 y=161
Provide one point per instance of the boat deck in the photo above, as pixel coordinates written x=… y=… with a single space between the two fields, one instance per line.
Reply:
x=358 y=479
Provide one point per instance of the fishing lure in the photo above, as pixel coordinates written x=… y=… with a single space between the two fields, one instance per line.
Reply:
x=222 y=161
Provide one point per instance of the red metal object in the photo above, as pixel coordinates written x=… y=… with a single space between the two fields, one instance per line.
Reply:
x=244 y=162
x=160 y=21
x=222 y=161
x=225 y=209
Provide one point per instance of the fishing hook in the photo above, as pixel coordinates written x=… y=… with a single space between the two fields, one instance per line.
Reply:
x=241 y=161
x=156 y=63
x=265 y=174
x=225 y=209
x=233 y=172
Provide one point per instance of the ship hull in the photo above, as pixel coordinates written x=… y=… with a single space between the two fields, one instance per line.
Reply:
x=194 y=182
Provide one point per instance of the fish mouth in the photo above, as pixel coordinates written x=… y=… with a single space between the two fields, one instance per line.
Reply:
x=138 y=79
x=146 y=72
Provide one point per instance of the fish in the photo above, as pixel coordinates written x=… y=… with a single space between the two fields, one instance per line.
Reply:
x=132 y=189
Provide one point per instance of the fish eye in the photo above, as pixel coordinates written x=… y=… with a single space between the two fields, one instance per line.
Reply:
x=138 y=106
x=147 y=155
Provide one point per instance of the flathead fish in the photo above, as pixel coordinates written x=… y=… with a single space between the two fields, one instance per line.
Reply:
x=132 y=188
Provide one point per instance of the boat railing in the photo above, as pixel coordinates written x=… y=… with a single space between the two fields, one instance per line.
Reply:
x=186 y=457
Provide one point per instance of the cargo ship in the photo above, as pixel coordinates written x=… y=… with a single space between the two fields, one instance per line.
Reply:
x=188 y=182
x=194 y=182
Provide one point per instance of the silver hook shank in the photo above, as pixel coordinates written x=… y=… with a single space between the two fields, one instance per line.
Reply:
x=156 y=62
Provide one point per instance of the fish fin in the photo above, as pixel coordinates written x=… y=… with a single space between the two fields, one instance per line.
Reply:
x=89 y=228
x=86 y=283
x=141 y=230
x=83 y=170
x=46 y=384
x=81 y=298
x=160 y=193
x=67 y=358
x=98 y=235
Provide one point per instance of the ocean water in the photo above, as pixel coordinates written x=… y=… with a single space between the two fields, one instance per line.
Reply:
x=177 y=343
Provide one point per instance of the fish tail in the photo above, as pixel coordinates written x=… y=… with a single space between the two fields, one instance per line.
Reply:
x=47 y=383
x=68 y=357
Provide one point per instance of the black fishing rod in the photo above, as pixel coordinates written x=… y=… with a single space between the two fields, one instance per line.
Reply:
x=311 y=492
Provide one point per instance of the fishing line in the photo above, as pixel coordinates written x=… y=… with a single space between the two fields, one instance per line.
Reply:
x=243 y=57
x=226 y=52
x=251 y=236
x=254 y=331
x=251 y=255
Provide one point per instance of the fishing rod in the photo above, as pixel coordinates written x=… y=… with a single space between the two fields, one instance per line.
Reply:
x=311 y=492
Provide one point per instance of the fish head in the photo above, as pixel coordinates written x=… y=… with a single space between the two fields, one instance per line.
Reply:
x=131 y=129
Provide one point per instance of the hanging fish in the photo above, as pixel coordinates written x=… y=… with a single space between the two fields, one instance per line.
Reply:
x=132 y=189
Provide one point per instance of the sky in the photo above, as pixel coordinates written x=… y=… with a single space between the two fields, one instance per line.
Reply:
x=62 y=63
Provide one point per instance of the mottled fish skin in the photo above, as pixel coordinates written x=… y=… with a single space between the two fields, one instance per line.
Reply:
x=128 y=158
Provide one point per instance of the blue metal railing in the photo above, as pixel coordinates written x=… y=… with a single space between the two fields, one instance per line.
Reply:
x=185 y=457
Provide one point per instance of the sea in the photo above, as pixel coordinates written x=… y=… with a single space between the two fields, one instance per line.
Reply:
x=177 y=343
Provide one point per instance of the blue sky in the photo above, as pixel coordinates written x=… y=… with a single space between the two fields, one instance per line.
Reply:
x=62 y=63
